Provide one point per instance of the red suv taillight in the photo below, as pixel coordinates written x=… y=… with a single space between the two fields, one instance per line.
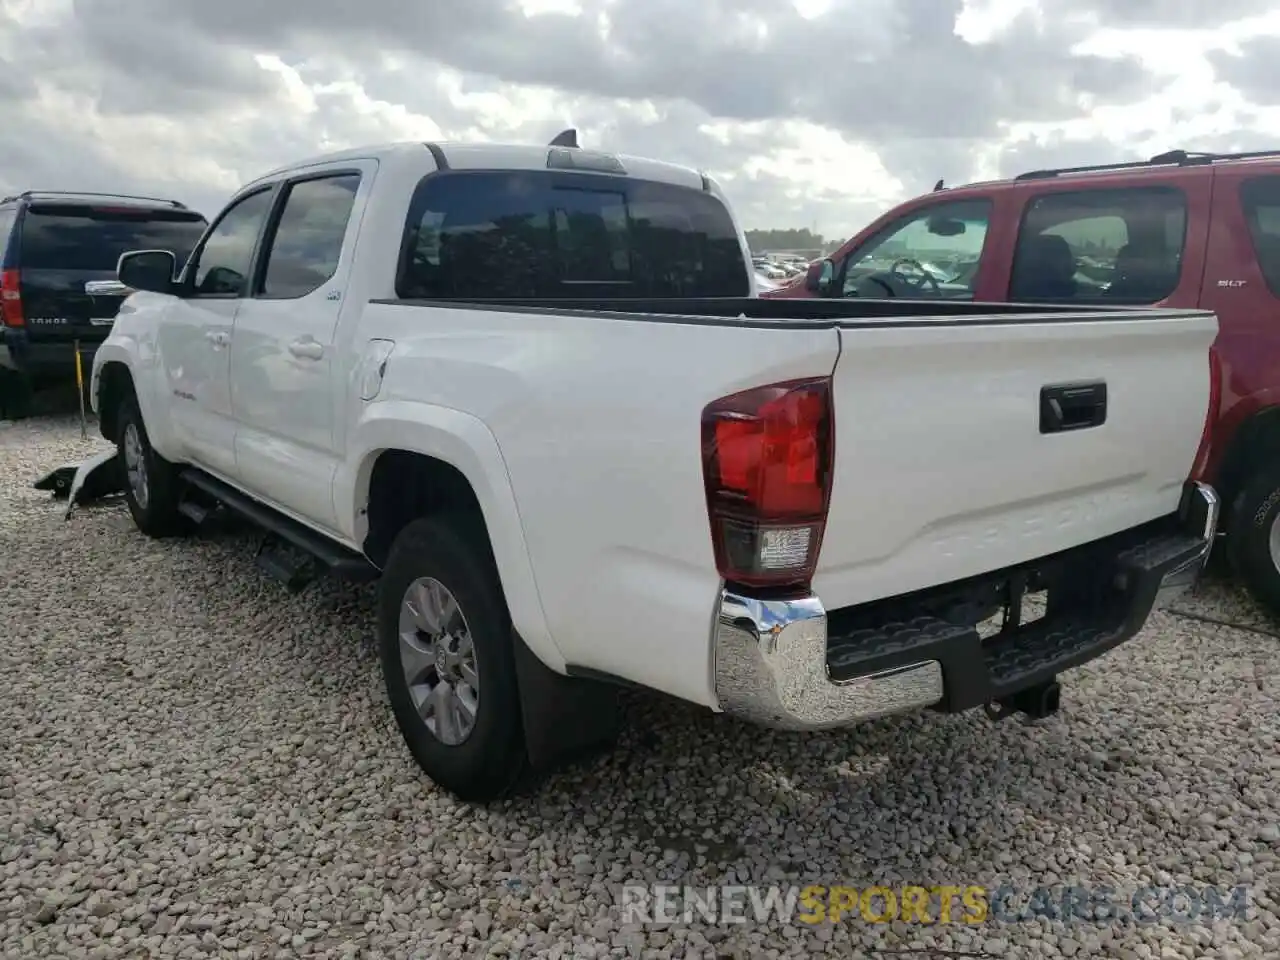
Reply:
x=767 y=457
x=1201 y=466
x=11 y=299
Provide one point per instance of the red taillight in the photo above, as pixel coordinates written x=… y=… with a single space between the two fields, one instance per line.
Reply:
x=1201 y=466
x=767 y=459
x=11 y=299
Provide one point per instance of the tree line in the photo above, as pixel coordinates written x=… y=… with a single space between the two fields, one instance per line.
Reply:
x=802 y=239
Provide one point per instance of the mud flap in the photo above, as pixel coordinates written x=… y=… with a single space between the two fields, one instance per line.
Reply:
x=565 y=718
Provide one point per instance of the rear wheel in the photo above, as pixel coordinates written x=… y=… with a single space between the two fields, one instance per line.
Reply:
x=1253 y=536
x=447 y=659
x=150 y=481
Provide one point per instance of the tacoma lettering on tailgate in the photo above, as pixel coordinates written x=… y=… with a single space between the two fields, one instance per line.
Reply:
x=975 y=540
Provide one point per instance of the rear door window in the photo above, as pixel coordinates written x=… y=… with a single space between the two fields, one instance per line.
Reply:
x=1260 y=198
x=1116 y=245
x=535 y=235
x=307 y=242
x=89 y=240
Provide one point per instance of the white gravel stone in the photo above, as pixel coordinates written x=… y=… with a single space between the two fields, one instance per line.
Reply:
x=198 y=764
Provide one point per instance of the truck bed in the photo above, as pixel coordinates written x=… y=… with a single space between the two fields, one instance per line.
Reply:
x=943 y=465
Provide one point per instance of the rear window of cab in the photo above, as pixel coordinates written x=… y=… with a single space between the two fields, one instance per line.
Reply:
x=543 y=235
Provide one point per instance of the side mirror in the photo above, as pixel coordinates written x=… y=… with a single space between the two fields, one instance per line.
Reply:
x=819 y=276
x=150 y=270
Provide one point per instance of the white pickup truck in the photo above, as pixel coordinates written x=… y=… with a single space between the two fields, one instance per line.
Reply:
x=531 y=391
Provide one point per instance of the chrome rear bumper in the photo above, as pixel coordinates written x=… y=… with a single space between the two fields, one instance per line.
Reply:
x=771 y=669
x=773 y=658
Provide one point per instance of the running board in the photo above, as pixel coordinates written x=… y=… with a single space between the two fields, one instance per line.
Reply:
x=333 y=558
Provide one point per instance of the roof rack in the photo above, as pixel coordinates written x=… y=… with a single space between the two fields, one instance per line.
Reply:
x=39 y=194
x=1179 y=158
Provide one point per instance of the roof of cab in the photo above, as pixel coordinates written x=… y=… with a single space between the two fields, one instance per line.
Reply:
x=495 y=156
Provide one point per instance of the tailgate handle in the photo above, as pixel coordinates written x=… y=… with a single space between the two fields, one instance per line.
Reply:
x=1073 y=406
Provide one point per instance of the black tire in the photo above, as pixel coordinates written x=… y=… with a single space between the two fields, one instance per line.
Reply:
x=491 y=761
x=16 y=392
x=1254 y=514
x=158 y=516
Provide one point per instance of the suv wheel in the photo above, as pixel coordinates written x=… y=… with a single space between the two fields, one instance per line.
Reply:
x=1253 y=536
x=447 y=659
x=150 y=481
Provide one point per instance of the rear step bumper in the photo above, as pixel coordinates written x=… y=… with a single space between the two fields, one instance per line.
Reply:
x=789 y=664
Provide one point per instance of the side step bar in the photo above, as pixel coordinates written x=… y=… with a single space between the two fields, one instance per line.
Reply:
x=334 y=558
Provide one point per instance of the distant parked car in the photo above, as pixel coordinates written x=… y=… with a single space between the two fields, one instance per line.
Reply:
x=51 y=244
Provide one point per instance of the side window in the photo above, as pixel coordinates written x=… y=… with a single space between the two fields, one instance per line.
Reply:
x=1260 y=198
x=1119 y=245
x=933 y=252
x=307 y=241
x=534 y=235
x=222 y=263
x=7 y=219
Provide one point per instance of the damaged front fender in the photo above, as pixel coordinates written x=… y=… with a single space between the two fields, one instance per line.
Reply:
x=93 y=479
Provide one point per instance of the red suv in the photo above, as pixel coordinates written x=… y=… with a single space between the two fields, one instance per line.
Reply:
x=1181 y=230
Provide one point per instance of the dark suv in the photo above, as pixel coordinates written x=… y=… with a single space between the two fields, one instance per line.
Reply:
x=51 y=244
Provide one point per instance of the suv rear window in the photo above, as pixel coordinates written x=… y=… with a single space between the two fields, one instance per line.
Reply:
x=1116 y=245
x=498 y=235
x=1260 y=197
x=91 y=239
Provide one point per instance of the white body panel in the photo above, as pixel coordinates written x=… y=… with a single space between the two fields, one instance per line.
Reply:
x=941 y=469
x=580 y=434
x=284 y=365
x=194 y=347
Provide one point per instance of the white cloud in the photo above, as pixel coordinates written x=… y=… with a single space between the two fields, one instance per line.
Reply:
x=814 y=113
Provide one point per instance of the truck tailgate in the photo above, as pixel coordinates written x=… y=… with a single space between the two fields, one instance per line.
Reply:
x=944 y=468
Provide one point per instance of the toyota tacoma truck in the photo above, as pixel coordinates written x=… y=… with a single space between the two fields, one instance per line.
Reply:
x=531 y=391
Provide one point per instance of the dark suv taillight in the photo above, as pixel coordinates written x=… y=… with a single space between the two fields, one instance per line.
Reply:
x=11 y=314
x=767 y=457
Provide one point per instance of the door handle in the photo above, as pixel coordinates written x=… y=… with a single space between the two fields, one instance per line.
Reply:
x=1073 y=406
x=219 y=338
x=307 y=349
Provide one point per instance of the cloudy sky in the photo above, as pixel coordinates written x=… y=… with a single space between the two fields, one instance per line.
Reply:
x=813 y=113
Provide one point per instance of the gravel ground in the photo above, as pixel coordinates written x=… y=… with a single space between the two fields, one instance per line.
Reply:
x=198 y=764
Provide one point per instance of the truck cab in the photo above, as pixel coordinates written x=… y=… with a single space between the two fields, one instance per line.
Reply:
x=1185 y=230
